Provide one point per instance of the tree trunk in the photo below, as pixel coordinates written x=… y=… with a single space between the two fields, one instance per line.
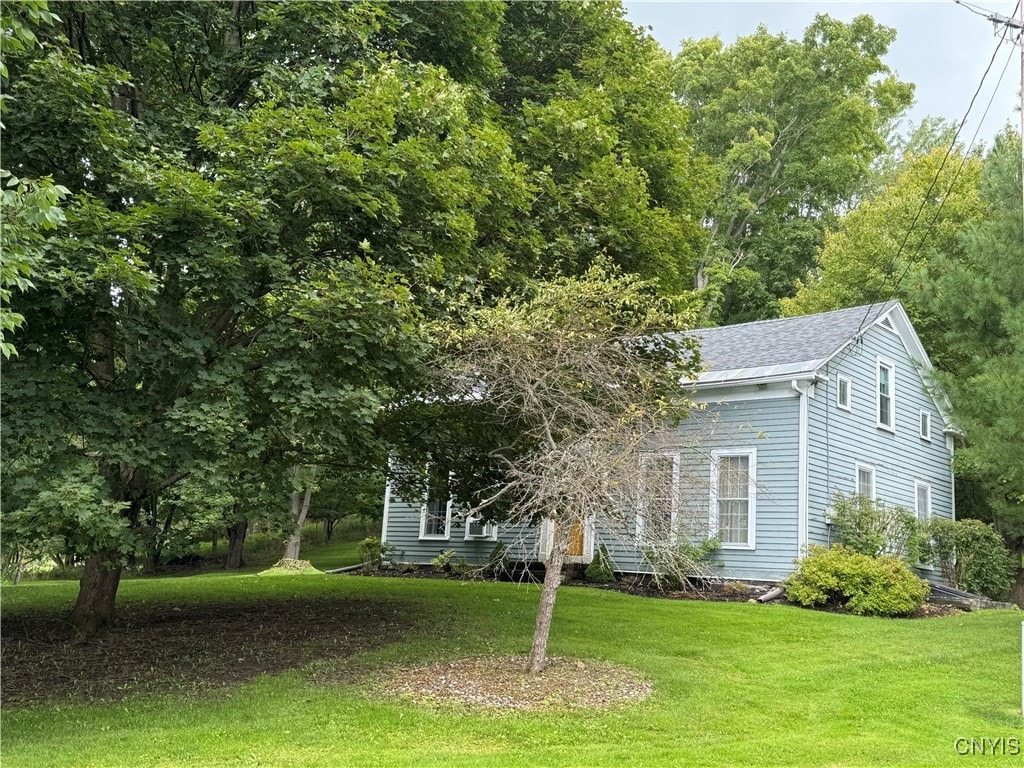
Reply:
x=552 y=579
x=328 y=529
x=236 y=540
x=300 y=506
x=214 y=539
x=1017 y=589
x=94 y=608
x=152 y=561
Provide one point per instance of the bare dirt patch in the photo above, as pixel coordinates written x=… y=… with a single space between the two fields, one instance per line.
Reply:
x=502 y=683
x=186 y=649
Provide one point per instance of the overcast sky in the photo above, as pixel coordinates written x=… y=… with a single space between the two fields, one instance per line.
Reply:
x=940 y=46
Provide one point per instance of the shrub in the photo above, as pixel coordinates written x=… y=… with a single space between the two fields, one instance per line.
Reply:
x=869 y=586
x=372 y=552
x=873 y=528
x=675 y=566
x=601 y=570
x=370 y=555
x=449 y=562
x=971 y=556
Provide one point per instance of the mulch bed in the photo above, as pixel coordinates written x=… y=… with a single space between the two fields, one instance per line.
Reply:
x=186 y=649
x=644 y=586
x=503 y=684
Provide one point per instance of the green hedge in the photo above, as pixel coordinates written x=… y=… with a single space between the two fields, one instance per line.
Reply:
x=870 y=586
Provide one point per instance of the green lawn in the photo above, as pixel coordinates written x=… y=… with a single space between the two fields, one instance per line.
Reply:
x=735 y=684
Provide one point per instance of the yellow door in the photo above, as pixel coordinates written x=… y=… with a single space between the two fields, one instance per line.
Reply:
x=575 y=540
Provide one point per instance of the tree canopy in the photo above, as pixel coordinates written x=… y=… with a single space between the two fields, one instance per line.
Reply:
x=266 y=202
x=979 y=294
x=882 y=248
x=792 y=127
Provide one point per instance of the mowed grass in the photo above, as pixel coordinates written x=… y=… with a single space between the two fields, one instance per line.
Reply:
x=735 y=684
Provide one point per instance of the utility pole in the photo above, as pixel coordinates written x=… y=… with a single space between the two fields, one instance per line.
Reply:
x=1016 y=24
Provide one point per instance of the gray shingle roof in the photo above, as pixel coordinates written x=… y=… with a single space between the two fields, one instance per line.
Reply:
x=787 y=345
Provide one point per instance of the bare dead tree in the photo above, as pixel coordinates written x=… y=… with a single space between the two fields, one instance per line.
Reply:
x=584 y=377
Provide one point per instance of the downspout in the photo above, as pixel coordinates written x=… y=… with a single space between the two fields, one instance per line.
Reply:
x=387 y=507
x=802 y=523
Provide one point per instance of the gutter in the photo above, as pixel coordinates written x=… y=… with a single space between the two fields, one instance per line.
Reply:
x=803 y=521
x=811 y=375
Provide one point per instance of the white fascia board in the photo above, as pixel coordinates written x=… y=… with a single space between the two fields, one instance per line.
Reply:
x=749 y=377
x=778 y=390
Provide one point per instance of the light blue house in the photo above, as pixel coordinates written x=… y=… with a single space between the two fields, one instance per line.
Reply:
x=795 y=411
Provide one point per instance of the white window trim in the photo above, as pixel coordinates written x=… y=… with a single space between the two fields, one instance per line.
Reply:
x=490 y=530
x=918 y=485
x=924 y=422
x=857 y=467
x=889 y=365
x=546 y=540
x=849 y=392
x=641 y=507
x=424 y=536
x=716 y=457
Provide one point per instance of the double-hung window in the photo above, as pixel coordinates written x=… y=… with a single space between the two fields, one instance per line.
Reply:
x=885 y=380
x=866 y=481
x=658 y=496
x=436 y=512
x=923 y=500
x=844 y=395
x=734 y=497
x=926 y=425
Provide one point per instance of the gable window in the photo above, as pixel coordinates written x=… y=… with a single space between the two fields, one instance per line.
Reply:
x=843 y=393
x=436 y=512
x=658 y=503
x=476 y=528
x=923 y=503
x=885 y=380
x=866 y=481
x=926 y=426
x=733 y=497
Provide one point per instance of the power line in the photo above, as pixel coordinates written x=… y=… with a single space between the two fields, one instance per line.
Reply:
x=992 y=16
x=977 y=10
x=935 y=180
x=956 y=176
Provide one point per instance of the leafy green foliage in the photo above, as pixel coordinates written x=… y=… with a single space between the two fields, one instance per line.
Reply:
x=860 y=260
x=252 y=196
x=68 y=511
x=674 y=565
x=30 y=207
x=971 y=556
x=590 y=109
x=978 y=292
x=792 y=127
x=874 y=528
x=869 y=586
x=601 y=569
x=372 y=552
x=450 y=562
x=31 y=212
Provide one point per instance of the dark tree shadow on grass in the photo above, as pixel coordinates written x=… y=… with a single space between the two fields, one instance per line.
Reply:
x=187 y=649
